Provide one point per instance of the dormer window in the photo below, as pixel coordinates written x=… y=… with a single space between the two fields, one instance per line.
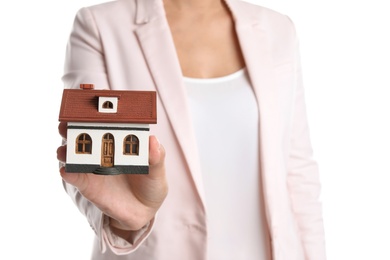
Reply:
x=108 y=104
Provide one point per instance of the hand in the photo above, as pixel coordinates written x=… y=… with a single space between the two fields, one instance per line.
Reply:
x=130 y=200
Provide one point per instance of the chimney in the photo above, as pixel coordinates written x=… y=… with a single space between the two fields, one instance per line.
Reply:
x=86 y=86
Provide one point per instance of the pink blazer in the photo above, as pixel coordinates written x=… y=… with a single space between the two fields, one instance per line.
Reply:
x=126 y=44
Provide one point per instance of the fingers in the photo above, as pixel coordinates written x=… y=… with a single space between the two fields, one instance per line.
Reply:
x=74 y=179
x=61 y=153
x=62 y=129
x=61 y=156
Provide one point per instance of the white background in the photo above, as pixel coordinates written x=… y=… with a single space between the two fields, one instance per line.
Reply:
x=345 y=49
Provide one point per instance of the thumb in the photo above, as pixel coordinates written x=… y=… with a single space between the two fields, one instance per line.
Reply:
x=156 y=156
x=156 y=151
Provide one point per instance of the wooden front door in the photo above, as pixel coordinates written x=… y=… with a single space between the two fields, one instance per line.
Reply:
x=107 y=150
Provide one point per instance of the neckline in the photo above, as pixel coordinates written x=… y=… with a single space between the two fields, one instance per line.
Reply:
x=228 y=77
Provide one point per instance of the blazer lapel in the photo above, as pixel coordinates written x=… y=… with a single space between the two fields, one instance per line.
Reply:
x=257 y=54
x=157 y=44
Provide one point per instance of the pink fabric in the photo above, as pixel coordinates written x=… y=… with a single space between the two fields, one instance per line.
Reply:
x=126 y=44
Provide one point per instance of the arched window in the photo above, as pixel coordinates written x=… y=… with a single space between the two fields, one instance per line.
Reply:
x=108 y=104
x=84 y=144
x=131 y=145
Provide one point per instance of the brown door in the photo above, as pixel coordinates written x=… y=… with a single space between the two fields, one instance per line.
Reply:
x=108 y=150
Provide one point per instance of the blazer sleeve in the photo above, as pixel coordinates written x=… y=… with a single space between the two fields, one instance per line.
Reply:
x=84 y=58
x=85 y=63
x=303 y=176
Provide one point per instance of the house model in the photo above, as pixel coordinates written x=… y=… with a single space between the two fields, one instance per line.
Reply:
x=107 y=130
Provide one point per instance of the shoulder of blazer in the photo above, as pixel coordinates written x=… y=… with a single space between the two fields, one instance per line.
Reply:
x=245 y=13
x=276 y=26
x=141 y=11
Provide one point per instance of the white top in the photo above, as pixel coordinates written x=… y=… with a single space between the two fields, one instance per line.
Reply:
x=225 y=116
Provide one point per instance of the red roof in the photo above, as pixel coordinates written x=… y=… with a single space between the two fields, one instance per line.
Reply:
x=134 y=107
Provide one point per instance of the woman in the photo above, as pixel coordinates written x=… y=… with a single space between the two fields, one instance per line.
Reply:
x=231 y=116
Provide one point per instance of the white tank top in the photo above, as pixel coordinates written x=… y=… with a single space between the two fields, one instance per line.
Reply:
x=225 y=117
